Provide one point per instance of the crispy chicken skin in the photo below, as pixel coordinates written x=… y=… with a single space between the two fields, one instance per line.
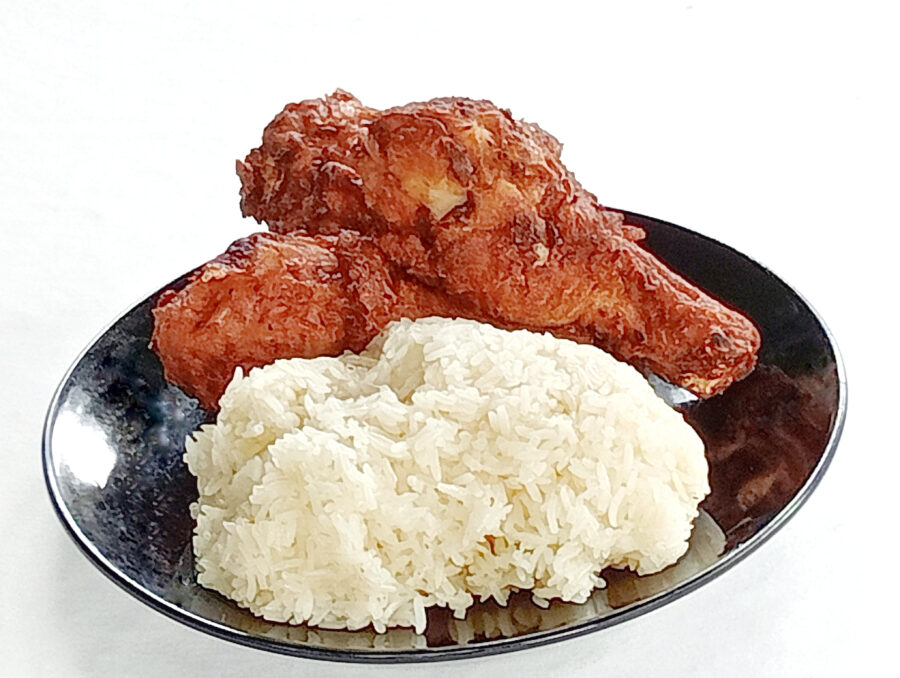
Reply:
x=463 y=198
x=275 y=296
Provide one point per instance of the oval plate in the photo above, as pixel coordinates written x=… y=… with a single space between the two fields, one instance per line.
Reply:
x=114 y=436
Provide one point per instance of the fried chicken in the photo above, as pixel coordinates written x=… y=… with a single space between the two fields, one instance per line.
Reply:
x=275 y=296
x=459 y=196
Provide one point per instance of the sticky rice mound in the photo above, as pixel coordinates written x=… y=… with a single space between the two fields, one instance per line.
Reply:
x=450 y=461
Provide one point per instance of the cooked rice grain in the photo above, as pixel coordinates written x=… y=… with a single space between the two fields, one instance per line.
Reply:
x=449 y=460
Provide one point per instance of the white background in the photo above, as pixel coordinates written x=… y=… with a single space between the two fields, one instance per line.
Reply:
x=770 y=126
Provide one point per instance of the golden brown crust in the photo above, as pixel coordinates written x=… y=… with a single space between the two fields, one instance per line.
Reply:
x=275 y=296
x=461 y=197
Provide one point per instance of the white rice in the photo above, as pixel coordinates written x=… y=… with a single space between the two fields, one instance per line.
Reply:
x=450 y=460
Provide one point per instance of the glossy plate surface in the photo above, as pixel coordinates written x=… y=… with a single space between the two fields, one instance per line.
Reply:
x=115 y=430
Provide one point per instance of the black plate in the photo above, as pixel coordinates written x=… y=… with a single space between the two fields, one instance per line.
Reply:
x=114 y=434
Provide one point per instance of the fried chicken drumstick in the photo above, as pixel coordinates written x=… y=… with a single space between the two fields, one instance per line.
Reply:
x=478 y=207
x=282 y=296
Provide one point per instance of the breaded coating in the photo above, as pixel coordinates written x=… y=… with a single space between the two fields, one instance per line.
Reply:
x=282 y=296
x=463 y=198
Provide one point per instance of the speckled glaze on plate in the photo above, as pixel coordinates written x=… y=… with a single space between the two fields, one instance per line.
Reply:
x=114 y=437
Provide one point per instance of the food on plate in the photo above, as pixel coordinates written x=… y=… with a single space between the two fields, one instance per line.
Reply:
x=462 y=197
x=275 y=296
x=359 y=242
x=488 y=621
x=448 y=461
